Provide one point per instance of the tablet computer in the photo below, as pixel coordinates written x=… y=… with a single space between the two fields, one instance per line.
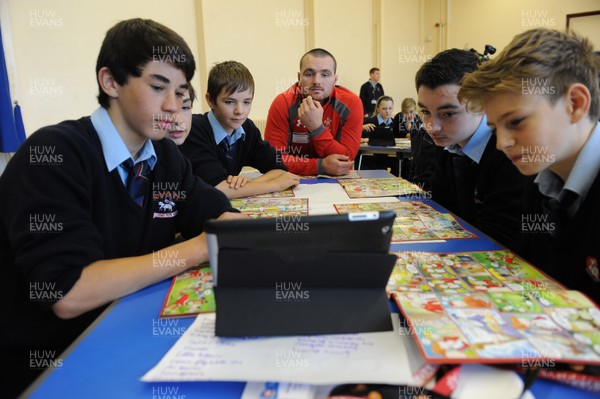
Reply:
x=296 y=275
x=382 y=136
x=293 y=237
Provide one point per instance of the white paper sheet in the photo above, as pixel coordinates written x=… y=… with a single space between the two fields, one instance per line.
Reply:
x=198 y=355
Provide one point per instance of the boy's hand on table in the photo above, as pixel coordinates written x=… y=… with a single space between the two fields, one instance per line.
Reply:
x=236 y=182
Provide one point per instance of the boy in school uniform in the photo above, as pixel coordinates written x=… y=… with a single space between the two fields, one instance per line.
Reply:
x=182 y=122
x=87 y=204
x=542 y=99
x=472 y=178
x=224 y=140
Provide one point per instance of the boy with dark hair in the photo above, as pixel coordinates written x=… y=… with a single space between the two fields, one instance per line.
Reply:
x=182 y=122
x=542 y=99
x=316 y=124
x=87 y=204
x=472 y=178
x=224 y=140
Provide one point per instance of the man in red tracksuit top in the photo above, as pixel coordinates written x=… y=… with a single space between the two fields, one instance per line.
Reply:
x=315 y=124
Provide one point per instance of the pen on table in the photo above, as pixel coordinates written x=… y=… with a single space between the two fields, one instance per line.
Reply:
x=530 y=377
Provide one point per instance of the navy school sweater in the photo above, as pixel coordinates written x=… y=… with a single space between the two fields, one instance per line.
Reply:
x=208 y=159
x=61 y=210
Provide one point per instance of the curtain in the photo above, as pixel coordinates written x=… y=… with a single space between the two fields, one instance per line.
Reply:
x=12 y=131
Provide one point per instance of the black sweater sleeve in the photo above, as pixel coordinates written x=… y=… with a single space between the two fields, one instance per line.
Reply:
x=443 y=189
x=488 y=196
x=257 y=152
x=203 y=202
x=208 y=162
x=52 y=234
x=498 y=199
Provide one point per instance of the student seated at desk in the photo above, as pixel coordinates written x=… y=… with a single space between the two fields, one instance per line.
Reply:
x=542 y=99
x=225 y=140
x=382 y=117
x=421 y=165
x=407 y=121
x=472 y=178
x=89 y=205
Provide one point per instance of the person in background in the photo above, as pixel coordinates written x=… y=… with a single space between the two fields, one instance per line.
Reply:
x=316 y=124
x=370 y=92
x=86 y=204
x=542 y=100
x=406 y=121
x=225 y=140
x=382 y=117
x=472 y=178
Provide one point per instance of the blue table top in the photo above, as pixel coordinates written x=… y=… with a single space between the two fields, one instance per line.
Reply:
x=129 y=339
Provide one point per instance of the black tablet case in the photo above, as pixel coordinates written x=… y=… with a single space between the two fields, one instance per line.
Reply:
x=293 y=290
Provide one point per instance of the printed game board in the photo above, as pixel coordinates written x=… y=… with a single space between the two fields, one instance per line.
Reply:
x=415 y=221
x=492 y=306
x=271 y=207
x=190 y=293
x=386 y=187
x=288 y=192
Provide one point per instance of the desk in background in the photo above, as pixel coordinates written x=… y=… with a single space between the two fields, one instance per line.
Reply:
x=109 y=358
x=401 y=151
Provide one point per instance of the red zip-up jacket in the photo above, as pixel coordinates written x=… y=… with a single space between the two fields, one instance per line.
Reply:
x=302 y=150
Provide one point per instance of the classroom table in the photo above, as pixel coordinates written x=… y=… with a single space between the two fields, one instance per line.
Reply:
x=109 y=358
x=401 y=151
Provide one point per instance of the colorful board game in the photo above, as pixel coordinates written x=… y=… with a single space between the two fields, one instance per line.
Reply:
x=271 y=207
x=190 y=293
x=386 y=187
x=288 y=192
x=492 y=306
x=415 y=221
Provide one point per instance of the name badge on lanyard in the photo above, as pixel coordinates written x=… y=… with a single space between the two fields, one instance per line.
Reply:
x=300 y=137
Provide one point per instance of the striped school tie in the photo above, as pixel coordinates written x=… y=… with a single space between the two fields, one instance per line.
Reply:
x=137 y=179
x=228 y=150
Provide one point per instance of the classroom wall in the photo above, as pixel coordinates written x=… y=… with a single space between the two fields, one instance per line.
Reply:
x=267 y=37
x=56 y=44
x=349 y=39
x=475 y=23
x=270 y=37
x=409 y=38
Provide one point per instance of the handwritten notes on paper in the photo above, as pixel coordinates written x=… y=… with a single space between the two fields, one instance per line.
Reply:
x=379 y=357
